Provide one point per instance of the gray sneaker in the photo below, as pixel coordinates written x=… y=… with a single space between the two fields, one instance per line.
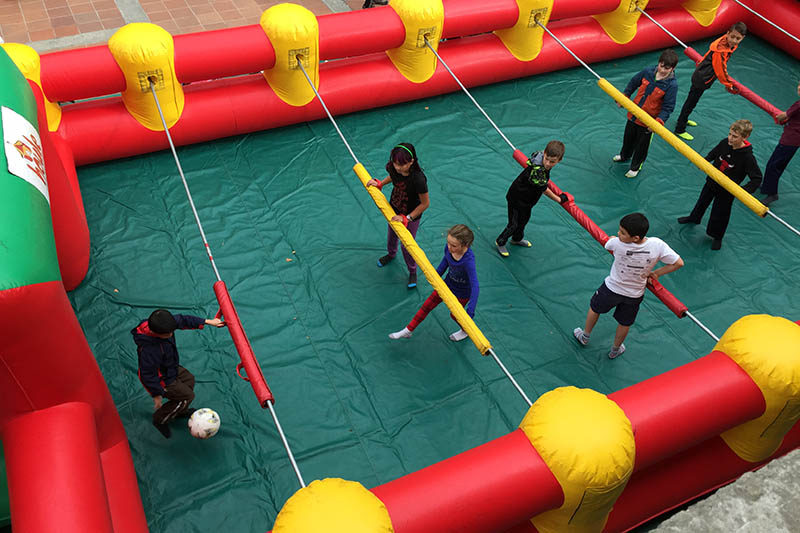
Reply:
x=502 y=250
x=522 y=242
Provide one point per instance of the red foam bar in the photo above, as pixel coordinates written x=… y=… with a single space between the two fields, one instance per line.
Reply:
x=242 y=343
x=744 y=91
x=485 y=489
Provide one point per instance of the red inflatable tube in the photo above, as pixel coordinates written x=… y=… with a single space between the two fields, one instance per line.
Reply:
x=66 y=205
x=254 y=375
x=53 y=464
x=245 y=104
x=486 y=488
x=741 y=89
x=666 y=423
x=684 y=477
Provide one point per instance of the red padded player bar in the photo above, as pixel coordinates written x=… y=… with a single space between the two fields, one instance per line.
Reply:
x=744 y=91
x=242 y=343
x=666 y=297
x=485 y=489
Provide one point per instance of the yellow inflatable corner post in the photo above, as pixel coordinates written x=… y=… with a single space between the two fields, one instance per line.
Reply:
x=145 y=52
x=587 y=442
x=422 y=19
x=333 y=505
x=768 y=349
x=28 y=62
x=293 y=32
x=620 y=24
x=524 y=39
x=703 y=11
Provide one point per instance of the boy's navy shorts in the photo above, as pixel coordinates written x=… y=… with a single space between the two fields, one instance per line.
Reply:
x=604 y=300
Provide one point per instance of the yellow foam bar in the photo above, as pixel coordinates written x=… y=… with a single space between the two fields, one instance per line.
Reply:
x=698 y=160
x=433 y=277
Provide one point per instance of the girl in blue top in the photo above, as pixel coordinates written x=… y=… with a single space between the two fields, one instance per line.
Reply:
x=462 y=279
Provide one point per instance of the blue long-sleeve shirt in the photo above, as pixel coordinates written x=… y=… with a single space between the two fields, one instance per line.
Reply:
x=462 y=278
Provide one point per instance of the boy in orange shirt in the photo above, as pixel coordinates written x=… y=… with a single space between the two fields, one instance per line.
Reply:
x=713 y=65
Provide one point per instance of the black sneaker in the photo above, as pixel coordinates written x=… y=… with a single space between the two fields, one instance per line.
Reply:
x=187 y=413
x=412 y=280
x=385 y=260
x=164 y=429
x=716 y=244
x=686 y=220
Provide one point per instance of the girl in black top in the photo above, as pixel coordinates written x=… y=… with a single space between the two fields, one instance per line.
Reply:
x=409 y=200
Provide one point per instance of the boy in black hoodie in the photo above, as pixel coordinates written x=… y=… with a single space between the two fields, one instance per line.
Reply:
x=525 y=192
x=159 y=368
x=734 y=157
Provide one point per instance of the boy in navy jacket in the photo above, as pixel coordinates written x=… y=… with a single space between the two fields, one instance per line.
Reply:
x=656 y=89
x=159 y=366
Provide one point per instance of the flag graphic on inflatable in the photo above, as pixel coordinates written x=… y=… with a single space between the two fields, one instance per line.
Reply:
x=24 y=150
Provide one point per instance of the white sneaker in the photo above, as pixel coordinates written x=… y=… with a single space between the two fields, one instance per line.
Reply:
x=459 y=335
x=617 y=159
x=631 y=173
x=582 y=337
x=616 y=352
x=402 y=334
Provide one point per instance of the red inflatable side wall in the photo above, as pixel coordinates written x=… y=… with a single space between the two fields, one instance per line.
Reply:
x=46 y=362
x=246 y=104
x=66 y=205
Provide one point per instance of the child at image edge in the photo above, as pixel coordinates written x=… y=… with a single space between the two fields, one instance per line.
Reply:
x=635 y=255
x=462 y=279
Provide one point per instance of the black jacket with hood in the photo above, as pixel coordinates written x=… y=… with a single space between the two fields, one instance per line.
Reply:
x=158 y=358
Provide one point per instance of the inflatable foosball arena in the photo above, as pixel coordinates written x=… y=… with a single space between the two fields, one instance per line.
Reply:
x=274 y=131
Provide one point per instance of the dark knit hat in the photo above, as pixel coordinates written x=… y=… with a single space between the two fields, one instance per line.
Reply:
x=161 y=321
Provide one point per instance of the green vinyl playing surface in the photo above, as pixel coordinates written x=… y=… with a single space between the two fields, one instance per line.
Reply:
x=296 y=238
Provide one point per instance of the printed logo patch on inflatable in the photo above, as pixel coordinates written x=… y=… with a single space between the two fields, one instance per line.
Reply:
x=24 y=150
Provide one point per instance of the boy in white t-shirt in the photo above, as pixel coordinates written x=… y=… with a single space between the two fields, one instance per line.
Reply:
x=634 y=258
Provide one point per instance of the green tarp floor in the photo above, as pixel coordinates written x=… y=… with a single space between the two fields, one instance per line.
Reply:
x=296 y=238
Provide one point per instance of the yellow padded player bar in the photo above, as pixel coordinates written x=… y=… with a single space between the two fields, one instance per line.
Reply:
x=433 y=277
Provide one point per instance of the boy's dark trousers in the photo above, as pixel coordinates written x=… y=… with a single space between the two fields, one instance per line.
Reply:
x=720 y=211
x=635 y=142
x=688 y=106
x=518 y=217
x=775 y=166
x=180 y=394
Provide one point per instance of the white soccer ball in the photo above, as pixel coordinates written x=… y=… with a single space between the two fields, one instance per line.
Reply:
x=204 y=423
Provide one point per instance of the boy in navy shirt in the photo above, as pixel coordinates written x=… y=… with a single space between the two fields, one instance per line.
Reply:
x=159 y=365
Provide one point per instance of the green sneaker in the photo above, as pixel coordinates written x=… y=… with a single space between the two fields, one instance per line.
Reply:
x=691 y=123
x=685 y=136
